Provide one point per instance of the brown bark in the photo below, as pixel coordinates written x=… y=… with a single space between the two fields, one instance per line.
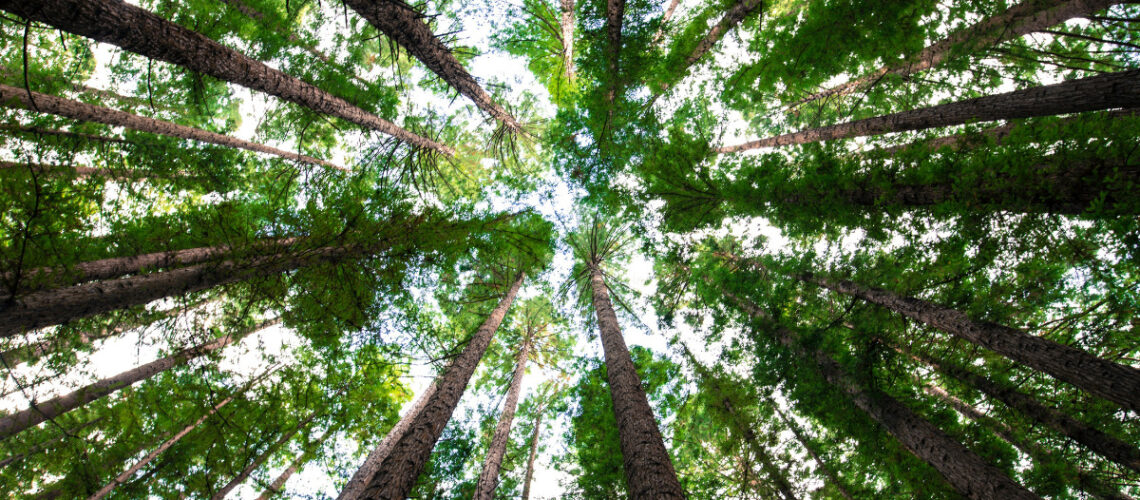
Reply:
x=534 y=436
x=1021 y=19
x=649 y=473
x=79 y=170
x=832 y=477
x=40 y=131
x=615 y=15
x=400 y=22
x=39 y=446
x=59 y=405
x=67 y=108
x=275 y=487
x=260 y=460
x=1101 y=377
x=567 y=25
x=142 y=32
x=489 y=476
x=657 y=36
x=732 y=17
x=397 y=474
x=1114 y=90
x=965 y=471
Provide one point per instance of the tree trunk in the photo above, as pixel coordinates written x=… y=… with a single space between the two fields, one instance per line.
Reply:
x=732 y=17
x=39 y=446
x=965 y=471
x=1112 y=381
x=489 y=476
x=567 y=26
x=41 y=412
x=1019 y=20
x=257 y=462
x=1114 y=90
x=832 y=477
x=1127 y=455
x=660 y=33
x=136 y=30
x=274 y=488
x=76 y=110
x=397 y=474
x=648 y=471
x=615 y=14
x=40 y=131
x=400 y=22
x=80 y=171
x=355 y=486
x=533 y=452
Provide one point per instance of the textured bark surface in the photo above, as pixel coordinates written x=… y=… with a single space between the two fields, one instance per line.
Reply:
x=489 y=476
x=275 y=487
x=567 y=25
x=363 y=475
x=649 y=473
x=1113 y=90
x=260 y=460
x=832 y=477
x=397 y=474
x=615 y=15
x=962 y=469
x=732 y=17
x=536 y=432
x=136 y=30
x=1112 y=381
x=400 y=22
x=660 y=33
x=1021 y=19
x=76 y=110
x=12 y=424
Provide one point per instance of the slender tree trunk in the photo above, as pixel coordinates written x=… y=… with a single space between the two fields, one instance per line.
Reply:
x=660 y=33
x=53 y=408
x=400 y=22
x=355 y=486
x=832 y=477
x=39 y=446
x=80 y=171
x=534 y=436
x=1116 y=450
x=965 y=471
x=275 y=487
x=648 y=470
x=136 y=30
x=1114 y=90
x=260 y=460
x=397 y=474
x=76 y=110
x=567 y=26
x=732 y=17
x=615 y=15
x=40 y=131
x=1019 y=20
x=489 y=476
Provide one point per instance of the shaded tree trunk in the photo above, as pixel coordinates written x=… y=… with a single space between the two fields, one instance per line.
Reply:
x=76 y=110
x=567 y=25
x=832 y=477
x=398 y=471
x=1114 y=90
x=660 y=33
x=403 y=24
x=489 y=476
x=260 y=460
x=80 y=171
x=53 y=408
x=136 y=30
x=1016 y=21
x=534 y=436
x=615 y=14
x=648 y=470
x=275 y=487
x=965 y=471
x=39 y=446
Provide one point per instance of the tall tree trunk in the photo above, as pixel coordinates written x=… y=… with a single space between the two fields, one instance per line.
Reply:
x=80 y=171
x=534 y=436
x=404 y=25
x=136 y=30
x=832 y=477
x=1018 y=20
x=1114 y=90
x=41 y=412
x=274 y=488
x=660 y=33
x=615 y=15
x=355 y=486
x=76 y=110
x=489 y=476
x=1125 y=454
x=567 y=25
x=648 y=471
x=40 y=131
x=257 y=462
x=965 y=471
x=39 y=446
x=397 y=474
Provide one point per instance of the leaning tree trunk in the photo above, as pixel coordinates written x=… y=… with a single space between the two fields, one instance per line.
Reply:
x=1019 y=20
x=1116 y=450
x=1114 y=90
x=400 y=22
x=968 y=473
x=648 y=471
x=47 y=410
x=567 y=25
x=489 y=476
x=397 y=474
x=275 y=487
x=80 y=171
x=535 y=433
x=76 y=110
x=660 y=33
x=36 y=448
x=269 y=451
x=832 y=477
x=136 y=30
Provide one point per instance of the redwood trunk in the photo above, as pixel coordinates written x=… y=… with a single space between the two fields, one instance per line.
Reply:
x=664 y=21
x=76 y=110
x=965 y=471
x=489 y=476
x=567 y=26
x=827 y=471
x=732 y=17
x=400 y=22
x=397 y=474
x=275 y=487
x=137 y=30
x=533 y=452
x=648 y=471
x=1114 y=90
x=244 y=474
x=615 y=14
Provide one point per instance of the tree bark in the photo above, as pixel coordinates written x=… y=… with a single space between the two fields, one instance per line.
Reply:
x=18 y=98
x=660 y=33
x=489 y=476
x=965 y=471
x=257 y=462
x=274 y=488
x=615 y=15
x=397 y=474
x=400 y=22
x=533 y=452
x=832 y=477
x=567 y=26
x=39 y=446
x=1114 y=90
x=136 y=30
x=732 y=17
x=648 y=470
x=53 y=408
x=1019 y=20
